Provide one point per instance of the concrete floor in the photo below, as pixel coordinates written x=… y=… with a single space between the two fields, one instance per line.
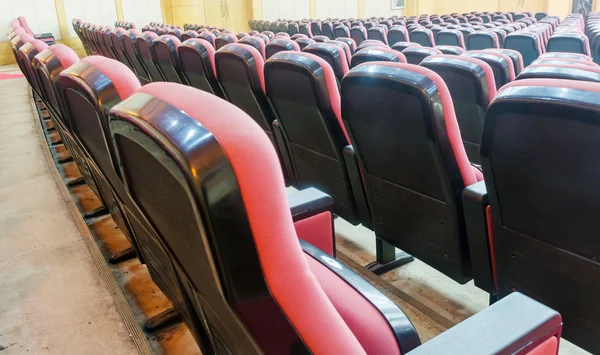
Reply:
x=52 y=299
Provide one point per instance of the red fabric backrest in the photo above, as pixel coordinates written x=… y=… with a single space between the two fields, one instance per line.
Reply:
x=511 y=66
x=39 y=45
x=122 y=78
x=25 y=26
x=332 y=88
x=489 y=73
x=258 y=172
x=65 y=55
x=452 y=129
x=209 y=49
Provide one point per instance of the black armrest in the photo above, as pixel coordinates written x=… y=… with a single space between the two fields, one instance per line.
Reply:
x=514 y=325
x=357 y=186
x=43 y=35
x=309 y=202
x=475 y=202
x=405 y=333
x=286 y=160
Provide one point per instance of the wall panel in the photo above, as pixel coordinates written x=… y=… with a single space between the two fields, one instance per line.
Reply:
x=287 y=9
x=380 y=8
x=40 y=15
x=95 y=11
x=142 y=12
x=336 y=8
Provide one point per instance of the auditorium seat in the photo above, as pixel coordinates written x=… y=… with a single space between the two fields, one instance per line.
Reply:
x=88 y=90
x=415 y=55
x=304 y=42
x=501 y=64
x=327 y=29
x=224 y=39
x=350 y=42
x=539 y=230
x=377 y=54
x=345 y=47
x=397 y=34
x=303 y=91
x=257 y=43
x=315 y=28
x=516 y=57
x=341 y=31
x=333 y=55
x=569 y=42
x=164 y=54
x=525 y=43
x=292 y=28
x=423 y=36
x=116 y=39
x=197 y=60
x=130 y=52
x=143 y=44
x=207 y=36
x=239 y=69
x=472 y=87
x=49 y=64
x=280 y=44
x=358 y=34
x=305 y=29
x=82 y=86
x=450 y=38
x=378 y=34
x=25 y=55
x=414 y=198
x=479 y=40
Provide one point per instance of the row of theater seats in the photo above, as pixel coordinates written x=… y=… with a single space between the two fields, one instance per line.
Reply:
x=250 y=269
x=532 y=36
x=306 y=123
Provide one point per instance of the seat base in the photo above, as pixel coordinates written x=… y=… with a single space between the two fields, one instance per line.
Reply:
x=387 y=258
x=123 y=255
x=96 y=212
x=76 y=182
x=65 y=160
x=162 y=320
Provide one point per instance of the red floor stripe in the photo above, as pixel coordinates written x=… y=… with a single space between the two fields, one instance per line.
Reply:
x=10 y=76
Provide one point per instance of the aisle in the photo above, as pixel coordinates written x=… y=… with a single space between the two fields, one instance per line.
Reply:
x=52 y=299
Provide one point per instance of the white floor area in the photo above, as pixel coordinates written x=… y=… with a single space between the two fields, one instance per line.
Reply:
x=52 y=299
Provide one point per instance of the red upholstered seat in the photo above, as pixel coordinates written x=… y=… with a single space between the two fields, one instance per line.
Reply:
x=501 y=64
x=257 y=43
x=358 y=34
x=143 y=45
x=272 y=319
x=334 y=55
x=532 y=213
x=303 y=91
x=224 y=39
x=472 y=86
x=391 y=175
x=166 y=58
x=280 y=44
